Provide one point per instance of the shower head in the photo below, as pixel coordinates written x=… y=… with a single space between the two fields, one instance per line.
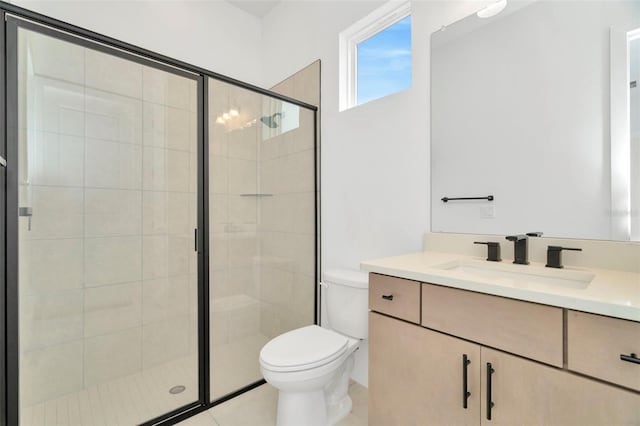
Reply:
x=270 y=120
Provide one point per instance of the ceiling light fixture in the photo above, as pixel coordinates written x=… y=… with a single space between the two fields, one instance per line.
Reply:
x=492 y=9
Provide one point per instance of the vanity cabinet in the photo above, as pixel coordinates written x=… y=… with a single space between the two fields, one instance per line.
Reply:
x=416 y=371
x=527 y=392
x=416 y=375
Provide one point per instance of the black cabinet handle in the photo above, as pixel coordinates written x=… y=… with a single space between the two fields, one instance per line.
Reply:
x=490 y=403
x=387 y=296
x=630 y=358
x=465 y=393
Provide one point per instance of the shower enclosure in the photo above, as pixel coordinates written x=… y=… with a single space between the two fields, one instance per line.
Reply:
x=160 y=227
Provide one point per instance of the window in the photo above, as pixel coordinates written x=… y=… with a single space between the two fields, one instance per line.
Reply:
x=375 y=55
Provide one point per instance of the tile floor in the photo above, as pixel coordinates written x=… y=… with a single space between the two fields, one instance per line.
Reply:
x=258 y=408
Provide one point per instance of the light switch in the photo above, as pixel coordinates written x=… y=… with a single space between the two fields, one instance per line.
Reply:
x=488 y=212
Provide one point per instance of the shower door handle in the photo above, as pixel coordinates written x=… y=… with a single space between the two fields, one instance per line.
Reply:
x=3 y=162
x=26 y=212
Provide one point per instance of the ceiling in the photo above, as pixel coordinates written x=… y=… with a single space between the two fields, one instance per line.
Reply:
x=257 y=8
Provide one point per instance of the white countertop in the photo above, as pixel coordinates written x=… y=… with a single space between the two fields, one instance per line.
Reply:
x=612 y=293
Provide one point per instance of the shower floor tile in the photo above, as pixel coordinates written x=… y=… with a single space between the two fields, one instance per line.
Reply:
x=130 y=400
x=258 y=408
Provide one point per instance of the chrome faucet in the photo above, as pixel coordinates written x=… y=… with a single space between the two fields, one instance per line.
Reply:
x=520 y=249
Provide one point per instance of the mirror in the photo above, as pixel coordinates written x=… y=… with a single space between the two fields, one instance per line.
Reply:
x=537 y=107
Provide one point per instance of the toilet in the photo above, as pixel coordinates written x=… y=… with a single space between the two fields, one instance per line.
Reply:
x=311 y=366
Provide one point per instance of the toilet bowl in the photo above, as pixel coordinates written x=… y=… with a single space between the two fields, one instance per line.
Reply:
x=311 y=366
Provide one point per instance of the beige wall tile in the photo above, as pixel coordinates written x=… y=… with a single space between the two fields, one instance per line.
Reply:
x=48 y=265
x=57 y=212
x=165 y=170
x=303 y=253
x=180 y=220
x=168 y=89
x=168 y=212
x=165 y=298
x=155 y=212
x=193 y=172
x=49 y=319
x=272 y=175
x=181 y=250
x=55 y=159
x=167 y=127
x=242 y=143
x=276 y=244
x=219 y=328
x=113 y=165
x=285 y=87
x=60 y=108
x=51 y=372
x=113 y=74
x=154 y=119
x=218 y=175
x=219 y=251
x=112 y=308
x=303 y=296
x=166 y=340
x=244 y=322
x=270 y=320
x=242 y=250
x=112 y=260
x=217 y=138
x=179 y=134
x=112 y=212
x=155 y=259
x=113 y=117
x=242 y=209
x=299 y=172
x=166 y=255
x=240 y=280
x=306 y=84
x=112 y=356
x=302 y=138
x=276 y=286
x=242 y=176
x=54 y=58
x=218 y=208
x=272 y=148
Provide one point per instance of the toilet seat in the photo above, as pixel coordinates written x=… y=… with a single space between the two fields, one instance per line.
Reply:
x=303 y=349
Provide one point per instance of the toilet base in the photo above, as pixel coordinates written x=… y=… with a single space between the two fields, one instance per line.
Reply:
x=310 y=409
x=340 y=411
x=302 y=409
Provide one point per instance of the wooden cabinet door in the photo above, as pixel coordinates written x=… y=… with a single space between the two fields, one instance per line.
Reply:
x=527 y=393
x=416 y=376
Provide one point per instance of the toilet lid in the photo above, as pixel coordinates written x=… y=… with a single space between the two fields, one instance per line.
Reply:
x=302 y=349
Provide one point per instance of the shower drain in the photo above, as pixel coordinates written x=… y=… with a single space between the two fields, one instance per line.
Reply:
x=177 y=389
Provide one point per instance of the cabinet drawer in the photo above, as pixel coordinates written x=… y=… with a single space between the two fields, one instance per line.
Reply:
x=395 y=296
x=523 y=328
x=594 y=346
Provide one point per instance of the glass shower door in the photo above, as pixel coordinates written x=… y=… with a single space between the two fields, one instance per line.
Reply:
x=262 y=192
x=107 y=274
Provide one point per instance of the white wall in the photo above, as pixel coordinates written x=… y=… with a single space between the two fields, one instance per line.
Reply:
x=375 y=157
x=211 y=34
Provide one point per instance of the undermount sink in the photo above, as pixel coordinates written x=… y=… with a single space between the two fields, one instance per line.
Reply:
x=518 y=275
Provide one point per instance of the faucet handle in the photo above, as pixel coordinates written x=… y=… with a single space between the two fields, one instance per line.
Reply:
x=534 y=234
x=554 y=256
x=518 y=237
x=493 y=250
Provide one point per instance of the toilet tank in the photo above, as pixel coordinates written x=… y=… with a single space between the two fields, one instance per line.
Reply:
x=347 y=299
